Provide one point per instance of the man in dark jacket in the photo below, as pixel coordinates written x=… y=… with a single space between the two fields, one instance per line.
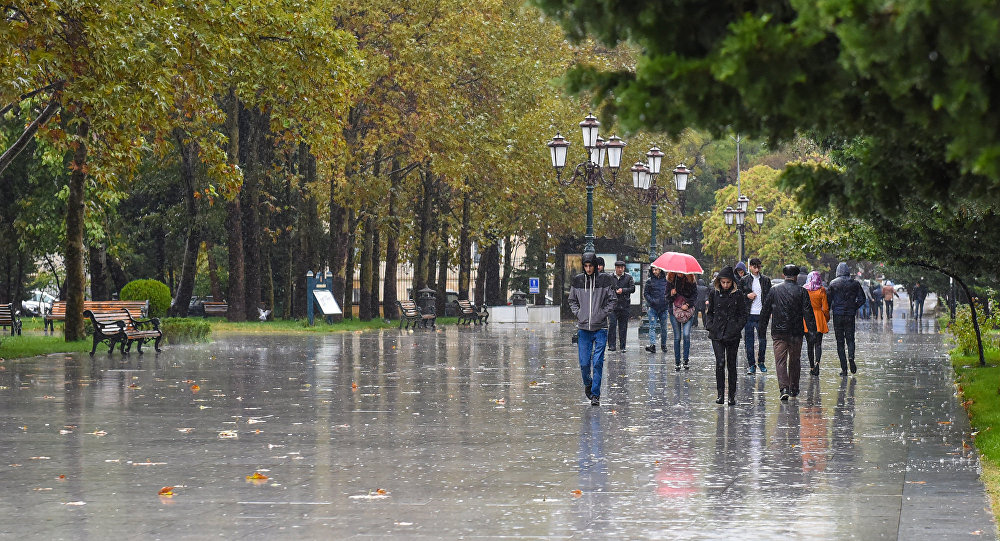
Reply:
x=701 y=303
x=623 y=285
x=591 y=298
x=755 y=286
x=788 y=304
x=657 y=307
x=846 y=296
x=919 y=294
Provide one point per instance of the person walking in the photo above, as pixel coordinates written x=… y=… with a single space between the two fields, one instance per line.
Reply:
x=591 y=298
x=919 y=294
x=755 y=286
x=681 y=298
x=727 y=316
x=888 y=292
x=701 y=303
x=623 y=285
x=846 y=296
x=876 y=296
x=788 y=303
x=821 y=310
x=740 y=270
x=657 y=308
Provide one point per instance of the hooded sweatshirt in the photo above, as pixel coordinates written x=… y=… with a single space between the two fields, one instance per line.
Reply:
x=591 y=298
x=845 y=293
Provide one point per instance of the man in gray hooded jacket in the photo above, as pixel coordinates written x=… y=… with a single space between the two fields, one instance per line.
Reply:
x=846 y=296
x=592 y=298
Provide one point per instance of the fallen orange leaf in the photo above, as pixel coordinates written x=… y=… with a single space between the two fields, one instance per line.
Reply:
x=257 y=476
x=195 y=388
x=354 y=386
x=577 y=493
x=62 y=477
x=381 y=492
x=166 y=491
x=944 y=422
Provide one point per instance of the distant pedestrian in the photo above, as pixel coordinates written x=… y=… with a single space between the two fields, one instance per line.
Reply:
x=600 y=265
x=623 y=285
x=682 y=295
x=657 y=307
x=846 y=296
x=727 y=316
x=866 y=309
x=788 y=304
x=919 y=294
x=876 y=299
x=888 y=293
x=701 y=303
x=755 y=286
x=821 y=311
x=591 y=298
x=740 y=270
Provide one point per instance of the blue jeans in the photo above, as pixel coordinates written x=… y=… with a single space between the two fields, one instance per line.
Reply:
x=678 y=329
x=660 y=317
x=748 y=335
x=591 y=349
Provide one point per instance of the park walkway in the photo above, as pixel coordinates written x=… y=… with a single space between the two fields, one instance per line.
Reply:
x=483 y=432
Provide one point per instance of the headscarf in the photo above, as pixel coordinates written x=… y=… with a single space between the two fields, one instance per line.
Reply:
x=814 y=281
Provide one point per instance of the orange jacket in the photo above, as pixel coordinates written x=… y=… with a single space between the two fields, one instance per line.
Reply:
x=821 y=308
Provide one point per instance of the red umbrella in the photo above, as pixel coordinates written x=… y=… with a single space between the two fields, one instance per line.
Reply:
x=678 y=262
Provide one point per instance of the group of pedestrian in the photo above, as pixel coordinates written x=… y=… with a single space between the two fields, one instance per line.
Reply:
x=739 y=304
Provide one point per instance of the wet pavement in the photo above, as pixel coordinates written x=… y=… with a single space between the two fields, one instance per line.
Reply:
x=483 y=432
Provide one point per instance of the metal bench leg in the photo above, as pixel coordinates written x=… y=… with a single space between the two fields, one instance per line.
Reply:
x=156 y=345
x=96 y=341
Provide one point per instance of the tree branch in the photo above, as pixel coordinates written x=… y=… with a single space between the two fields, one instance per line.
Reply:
x=29 y=132
x=27 y=95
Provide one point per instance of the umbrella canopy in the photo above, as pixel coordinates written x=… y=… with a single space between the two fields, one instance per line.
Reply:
x=678 y=262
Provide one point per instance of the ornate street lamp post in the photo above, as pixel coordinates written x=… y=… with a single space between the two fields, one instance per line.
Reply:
x=737 y=216
x=590 y=171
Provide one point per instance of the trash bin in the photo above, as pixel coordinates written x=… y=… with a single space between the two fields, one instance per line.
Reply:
x=427 y=301
x=519 y=298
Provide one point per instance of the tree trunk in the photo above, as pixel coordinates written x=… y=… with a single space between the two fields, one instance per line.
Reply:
x=464 y=251
x=442 y=277
x=389 y=285
x=489 y=264
x=213 y=272
x=376 y=263
x=365 y=301
x=266 y=264
x=349 y=263
x=98 y=274
x=189 y=163
x=76 y=280
x=338 y=250
x=251 y=215
x=118 y=276
x=508 y=266
x=421 y=259
x=234 y=220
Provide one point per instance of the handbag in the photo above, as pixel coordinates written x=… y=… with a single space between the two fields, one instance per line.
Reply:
x=680 y=314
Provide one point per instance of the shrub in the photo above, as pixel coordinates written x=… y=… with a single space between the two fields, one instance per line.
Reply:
x=156 y=292
x=180 y=330
x=963 y=333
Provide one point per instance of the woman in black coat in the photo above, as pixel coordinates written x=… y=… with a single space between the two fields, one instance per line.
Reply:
x=727 y=315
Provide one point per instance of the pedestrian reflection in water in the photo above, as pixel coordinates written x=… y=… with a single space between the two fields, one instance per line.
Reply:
x=725 y=483
x=593 y=471
x=842 y=452
x=786 y=447
x=678 y=473
x=814 y=437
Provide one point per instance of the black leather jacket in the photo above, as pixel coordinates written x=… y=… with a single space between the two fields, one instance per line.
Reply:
x=846 y=296
x=786 y=305
x=627 y=285
x=746 y=284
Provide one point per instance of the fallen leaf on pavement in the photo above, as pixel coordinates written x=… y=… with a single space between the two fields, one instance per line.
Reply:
x=195 y=388
x=228 y=434
x=166 y=491
x=577 y=493
x=257 y=476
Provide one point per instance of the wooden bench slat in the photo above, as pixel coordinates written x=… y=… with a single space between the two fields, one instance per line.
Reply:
x=10 y=318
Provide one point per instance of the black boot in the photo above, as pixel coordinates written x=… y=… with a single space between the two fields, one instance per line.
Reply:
x=854 y=367
x=720 y=400
x=651 y=348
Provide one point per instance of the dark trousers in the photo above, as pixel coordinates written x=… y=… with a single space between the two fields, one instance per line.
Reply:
x=918 y=309
x=814 y=347
x=888 y=309
x=725 y=361
x=760 y=342
x=788 y=360
x=876 y=308
x=843 y=329
x=617 y=324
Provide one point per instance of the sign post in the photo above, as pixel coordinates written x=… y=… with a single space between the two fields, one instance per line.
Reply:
x=533 y=287
x=319 y=291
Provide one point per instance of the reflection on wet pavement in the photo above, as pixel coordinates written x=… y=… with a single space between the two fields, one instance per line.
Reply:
x=468 y=432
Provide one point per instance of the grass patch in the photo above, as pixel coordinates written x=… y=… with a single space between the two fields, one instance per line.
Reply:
x=980 y=393
x=29 y=345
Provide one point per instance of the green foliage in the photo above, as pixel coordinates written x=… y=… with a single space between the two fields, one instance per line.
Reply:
x=29 y=345
x=963 y=333
x=181 y=330
x=156 y=292
x=905 y=77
